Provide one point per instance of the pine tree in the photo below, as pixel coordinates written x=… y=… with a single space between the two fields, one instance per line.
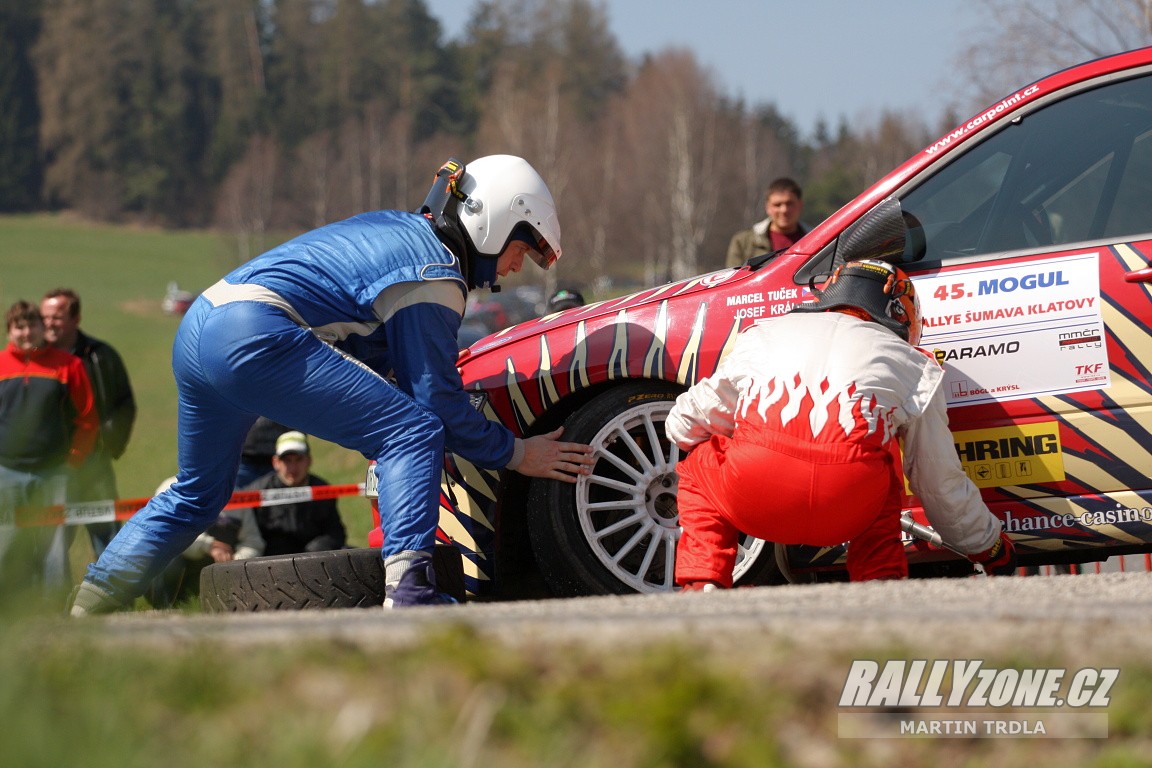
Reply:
x=20 y=170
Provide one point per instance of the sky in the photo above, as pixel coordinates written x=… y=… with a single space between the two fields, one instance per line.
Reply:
x=813 y=59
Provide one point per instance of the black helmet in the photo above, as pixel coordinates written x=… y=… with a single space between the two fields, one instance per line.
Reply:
x=879 y=289
x=565 y=298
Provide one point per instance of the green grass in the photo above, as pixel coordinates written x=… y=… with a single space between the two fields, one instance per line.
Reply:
x=121 y=274
x=71 y=695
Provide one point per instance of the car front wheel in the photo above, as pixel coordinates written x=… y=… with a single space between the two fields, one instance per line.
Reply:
x=615 y=531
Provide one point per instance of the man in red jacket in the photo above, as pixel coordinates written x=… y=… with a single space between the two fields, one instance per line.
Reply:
x=48 y=424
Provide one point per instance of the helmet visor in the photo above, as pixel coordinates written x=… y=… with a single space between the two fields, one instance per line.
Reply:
x=543 y=254
x=539 y=249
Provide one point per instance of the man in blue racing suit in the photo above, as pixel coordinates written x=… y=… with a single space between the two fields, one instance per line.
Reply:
x=348 y=333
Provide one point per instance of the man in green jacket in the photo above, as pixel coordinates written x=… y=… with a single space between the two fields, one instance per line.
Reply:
x=783 y=202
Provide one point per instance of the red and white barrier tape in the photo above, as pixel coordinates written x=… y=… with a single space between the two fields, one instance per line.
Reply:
x=83 y=513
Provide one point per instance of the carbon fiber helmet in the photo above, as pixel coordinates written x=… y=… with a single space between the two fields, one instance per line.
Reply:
x=880 y=290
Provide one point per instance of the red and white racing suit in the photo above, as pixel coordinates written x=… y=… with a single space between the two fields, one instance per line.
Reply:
x=794 y=440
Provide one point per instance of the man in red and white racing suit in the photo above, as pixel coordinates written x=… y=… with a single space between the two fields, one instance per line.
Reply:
x=794 y=439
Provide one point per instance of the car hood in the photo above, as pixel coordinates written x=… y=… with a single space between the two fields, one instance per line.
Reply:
x=591 y=312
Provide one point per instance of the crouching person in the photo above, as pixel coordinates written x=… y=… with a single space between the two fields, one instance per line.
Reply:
x=794 y=438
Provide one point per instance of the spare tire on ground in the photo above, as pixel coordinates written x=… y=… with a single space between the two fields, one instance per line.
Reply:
x=341 y=578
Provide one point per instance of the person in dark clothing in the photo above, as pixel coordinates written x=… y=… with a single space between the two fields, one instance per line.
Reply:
x=565 y=298
x=305 y=526
x=259 y=448
x=115 y=403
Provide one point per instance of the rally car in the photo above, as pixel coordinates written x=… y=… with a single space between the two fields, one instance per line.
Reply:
x=1028 y=232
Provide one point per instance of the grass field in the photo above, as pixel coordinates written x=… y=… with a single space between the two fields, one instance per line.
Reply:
x=70 y=697
x=121 y=274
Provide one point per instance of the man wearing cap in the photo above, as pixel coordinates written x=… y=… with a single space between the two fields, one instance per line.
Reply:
x=304 y=526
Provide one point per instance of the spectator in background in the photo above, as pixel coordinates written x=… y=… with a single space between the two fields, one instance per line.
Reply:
x=115 y=404
x=304 y=526
x=234 y=536
x=783 y=202
x=47 y=424
x=259 y=448
x=565 y=298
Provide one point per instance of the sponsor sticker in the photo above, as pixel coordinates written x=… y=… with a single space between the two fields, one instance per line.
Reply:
x=1021 y=454
x=1120 y=516
x=1014 y=331
x=716 y=278
x=967 y=698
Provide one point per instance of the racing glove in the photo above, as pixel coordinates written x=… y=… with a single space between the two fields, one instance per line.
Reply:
x=999 y=559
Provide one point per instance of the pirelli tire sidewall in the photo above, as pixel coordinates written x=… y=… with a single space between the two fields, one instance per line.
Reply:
x=342 y=578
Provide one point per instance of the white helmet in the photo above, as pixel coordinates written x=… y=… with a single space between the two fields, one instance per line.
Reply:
x=504 y=198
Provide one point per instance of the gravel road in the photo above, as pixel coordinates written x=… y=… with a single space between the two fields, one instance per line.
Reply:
x=1091 y=619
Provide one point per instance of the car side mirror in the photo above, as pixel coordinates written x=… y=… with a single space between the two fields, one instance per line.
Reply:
x=886 y=233
x=880 y=234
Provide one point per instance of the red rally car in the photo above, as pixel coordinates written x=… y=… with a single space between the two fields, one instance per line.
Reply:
x=1028 y=232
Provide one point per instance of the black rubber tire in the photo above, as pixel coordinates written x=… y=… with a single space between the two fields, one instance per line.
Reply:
x=566 y=558
x=342 y=578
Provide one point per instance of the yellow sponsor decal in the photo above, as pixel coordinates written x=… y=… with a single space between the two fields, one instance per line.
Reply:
x=1022 y=454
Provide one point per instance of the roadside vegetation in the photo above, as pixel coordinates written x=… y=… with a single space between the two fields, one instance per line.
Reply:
x=73 y=694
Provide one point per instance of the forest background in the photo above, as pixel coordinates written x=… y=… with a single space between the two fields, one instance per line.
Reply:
x=261 y=118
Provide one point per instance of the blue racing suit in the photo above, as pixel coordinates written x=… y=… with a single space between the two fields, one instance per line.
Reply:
x=305 y=335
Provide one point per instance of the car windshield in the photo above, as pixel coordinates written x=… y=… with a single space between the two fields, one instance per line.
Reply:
x=1076 y=170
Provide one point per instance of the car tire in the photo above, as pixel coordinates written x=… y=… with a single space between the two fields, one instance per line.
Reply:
x=784 y=567
x=615 y=532
x=342 y=578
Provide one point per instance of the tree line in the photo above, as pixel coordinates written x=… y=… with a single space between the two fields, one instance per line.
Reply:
x=262 y=116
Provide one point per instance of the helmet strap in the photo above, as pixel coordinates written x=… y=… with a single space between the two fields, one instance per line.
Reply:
x=441 y=207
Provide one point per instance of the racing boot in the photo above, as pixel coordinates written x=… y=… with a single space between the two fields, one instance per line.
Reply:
x=700 y=586
x=410 y=580
x=88 y=600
